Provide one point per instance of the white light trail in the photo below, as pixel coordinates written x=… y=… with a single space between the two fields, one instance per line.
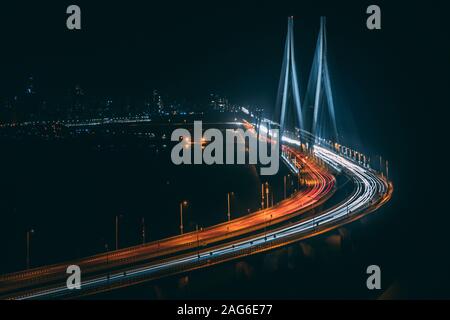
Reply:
x=368 y=187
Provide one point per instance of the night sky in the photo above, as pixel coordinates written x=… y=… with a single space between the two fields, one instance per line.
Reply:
x=188 y=48
x=387 y=83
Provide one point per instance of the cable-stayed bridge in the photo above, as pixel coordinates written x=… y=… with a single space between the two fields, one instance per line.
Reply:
x=318 y=95
x=315 y=161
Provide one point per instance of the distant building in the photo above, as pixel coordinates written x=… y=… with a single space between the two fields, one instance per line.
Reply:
x=28 y=104
x=218 y=103
x=157 y=102
x=78 y=108
x=79 y=91
x=29 y=87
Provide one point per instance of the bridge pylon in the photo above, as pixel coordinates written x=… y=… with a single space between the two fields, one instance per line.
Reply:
x=319 y=87
x=288 y=79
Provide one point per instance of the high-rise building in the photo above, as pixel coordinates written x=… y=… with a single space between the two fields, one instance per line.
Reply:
x=157 y=102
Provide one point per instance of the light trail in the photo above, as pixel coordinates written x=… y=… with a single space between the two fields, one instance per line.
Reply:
x=316 y=192
x=369 y=189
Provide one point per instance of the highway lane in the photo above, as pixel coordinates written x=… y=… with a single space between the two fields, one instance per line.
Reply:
x=320 y=185
x=371 y=191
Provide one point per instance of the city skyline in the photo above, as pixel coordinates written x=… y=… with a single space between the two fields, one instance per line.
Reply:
x=30 y=104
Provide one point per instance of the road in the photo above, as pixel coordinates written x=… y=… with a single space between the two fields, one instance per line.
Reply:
x=370 y=192
x=319 y=186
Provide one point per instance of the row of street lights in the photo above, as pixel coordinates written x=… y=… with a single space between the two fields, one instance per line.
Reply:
x=184 y=204
x=267 y=194
x=143 y=230
x=117 y=218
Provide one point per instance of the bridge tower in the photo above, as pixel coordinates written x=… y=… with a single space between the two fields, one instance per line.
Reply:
x=288 y=79
x=319 y=86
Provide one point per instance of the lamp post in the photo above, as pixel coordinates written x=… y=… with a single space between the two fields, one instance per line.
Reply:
x=117 y=230
x=228 y=200
x=182 y=204
x=29 y=233
x=262 y=196
x=387 y=170
x=107 y=259
x=143 y=230
x=381 y=165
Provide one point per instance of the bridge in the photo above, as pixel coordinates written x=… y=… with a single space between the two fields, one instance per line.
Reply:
x=312 y=153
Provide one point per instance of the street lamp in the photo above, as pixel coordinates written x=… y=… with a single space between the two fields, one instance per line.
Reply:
x=29 y=233
x=387 y=170
x=182 y=204
x=117 y=230
x=262 y=196
x=143 y=230
x=228 y=198
x=107 y=258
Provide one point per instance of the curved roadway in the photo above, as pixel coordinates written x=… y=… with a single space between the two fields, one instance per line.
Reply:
x=319 y=186
x=370 y=192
